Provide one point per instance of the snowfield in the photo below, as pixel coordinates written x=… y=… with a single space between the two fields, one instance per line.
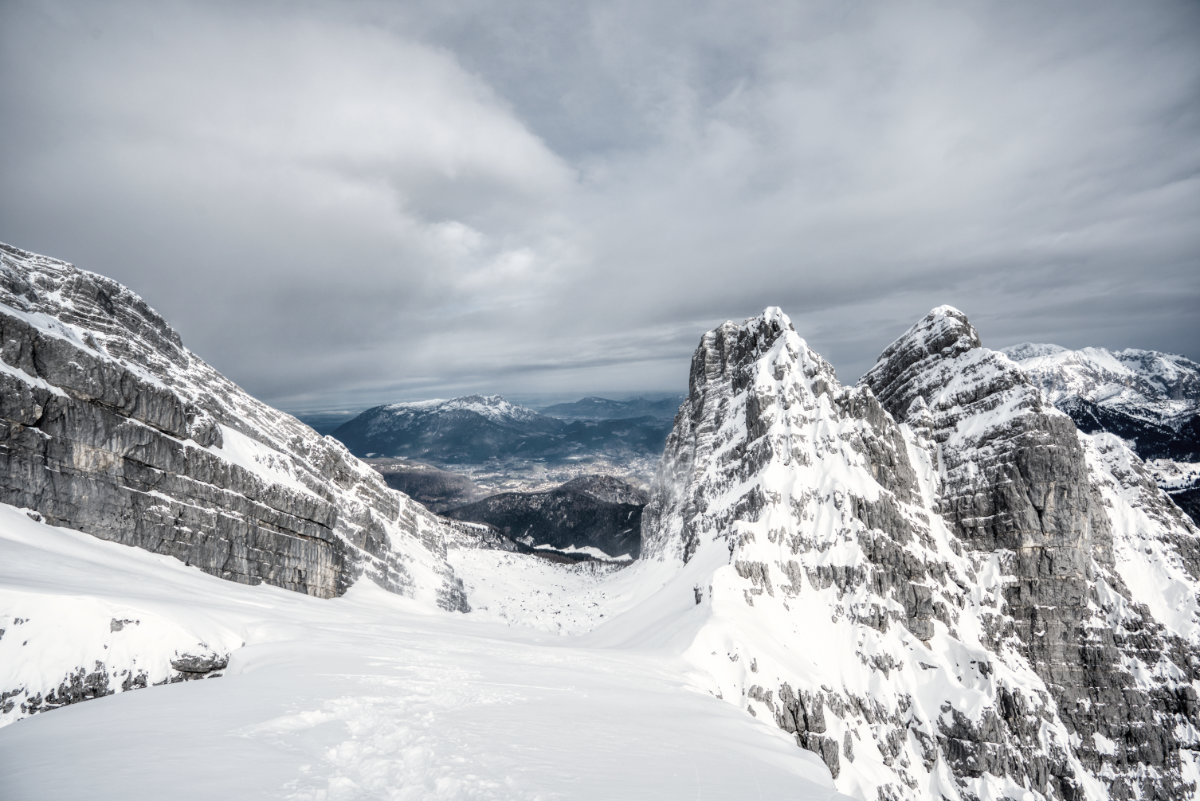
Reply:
x=366 y=696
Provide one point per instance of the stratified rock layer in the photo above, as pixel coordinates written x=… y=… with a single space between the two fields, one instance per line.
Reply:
x=1015 y=481
x=916 y=576
x=110 y=426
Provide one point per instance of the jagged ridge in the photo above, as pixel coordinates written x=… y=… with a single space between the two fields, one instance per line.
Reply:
x=930 y=604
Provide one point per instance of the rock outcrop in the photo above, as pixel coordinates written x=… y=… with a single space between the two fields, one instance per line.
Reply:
x=916 y=576
x=1148 y=398
x=109 y=425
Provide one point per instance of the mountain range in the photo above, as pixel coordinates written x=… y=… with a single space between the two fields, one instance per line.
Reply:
x=478 y=429
x=966 y=597
x=596 y=408
x=928 y=584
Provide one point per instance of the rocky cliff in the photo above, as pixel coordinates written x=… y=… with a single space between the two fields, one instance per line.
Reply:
x=109 y=425
x=1148 y=398
x=917 y=576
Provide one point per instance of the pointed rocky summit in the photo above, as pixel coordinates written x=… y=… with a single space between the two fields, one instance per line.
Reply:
x=916 y=576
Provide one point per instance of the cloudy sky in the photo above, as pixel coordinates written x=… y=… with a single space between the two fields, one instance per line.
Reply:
x=351 y=202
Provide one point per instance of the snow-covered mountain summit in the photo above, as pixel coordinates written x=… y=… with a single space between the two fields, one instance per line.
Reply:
x=109 y=425
x=916 y=577
x=1159 y=388
x=492 y=407
x=470 y=429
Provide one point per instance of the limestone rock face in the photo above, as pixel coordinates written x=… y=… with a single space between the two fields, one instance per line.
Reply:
x=917 y=576
x=1148 y=398
x=1016 y=482
x=109 y=425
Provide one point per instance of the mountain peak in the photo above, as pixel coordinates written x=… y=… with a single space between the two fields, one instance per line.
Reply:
x=898 y=376
x=731 y=352
x=944 y=327
x=957 y=545
x=493 y=407
x=181 y=461
x=774 y=315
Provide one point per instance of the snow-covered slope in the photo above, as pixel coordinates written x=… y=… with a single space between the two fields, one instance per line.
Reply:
x=921 y=587
x=109 y=425
x=1159 y=388
x=367 y=696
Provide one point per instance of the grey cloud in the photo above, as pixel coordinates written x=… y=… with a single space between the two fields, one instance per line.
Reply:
x=351 y=202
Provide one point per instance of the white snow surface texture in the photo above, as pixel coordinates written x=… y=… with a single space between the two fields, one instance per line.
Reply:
x=367 y=696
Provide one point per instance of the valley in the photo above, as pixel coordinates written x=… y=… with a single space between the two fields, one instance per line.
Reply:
x=928 y=583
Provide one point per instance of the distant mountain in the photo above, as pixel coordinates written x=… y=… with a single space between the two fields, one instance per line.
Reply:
x=477 y=429
x=1148 y=398
x=590 y=515
x=471 y=429
x=594 y=408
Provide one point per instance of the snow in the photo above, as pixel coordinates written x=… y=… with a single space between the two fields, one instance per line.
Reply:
x=493 y=407
x=945 y=310
x=1172 y=475
x=1103 y=744
x=262 y=460
x=20 y=374
x=586 y=550
x=1145 y=545
x=1157 y=387
x=365 y=696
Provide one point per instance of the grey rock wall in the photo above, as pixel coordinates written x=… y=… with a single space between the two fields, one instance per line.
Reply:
x=110 y=426
x=938 y=534
x=1016 y=483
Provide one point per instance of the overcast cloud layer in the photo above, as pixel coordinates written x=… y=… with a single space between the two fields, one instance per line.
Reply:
x=347 y=203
